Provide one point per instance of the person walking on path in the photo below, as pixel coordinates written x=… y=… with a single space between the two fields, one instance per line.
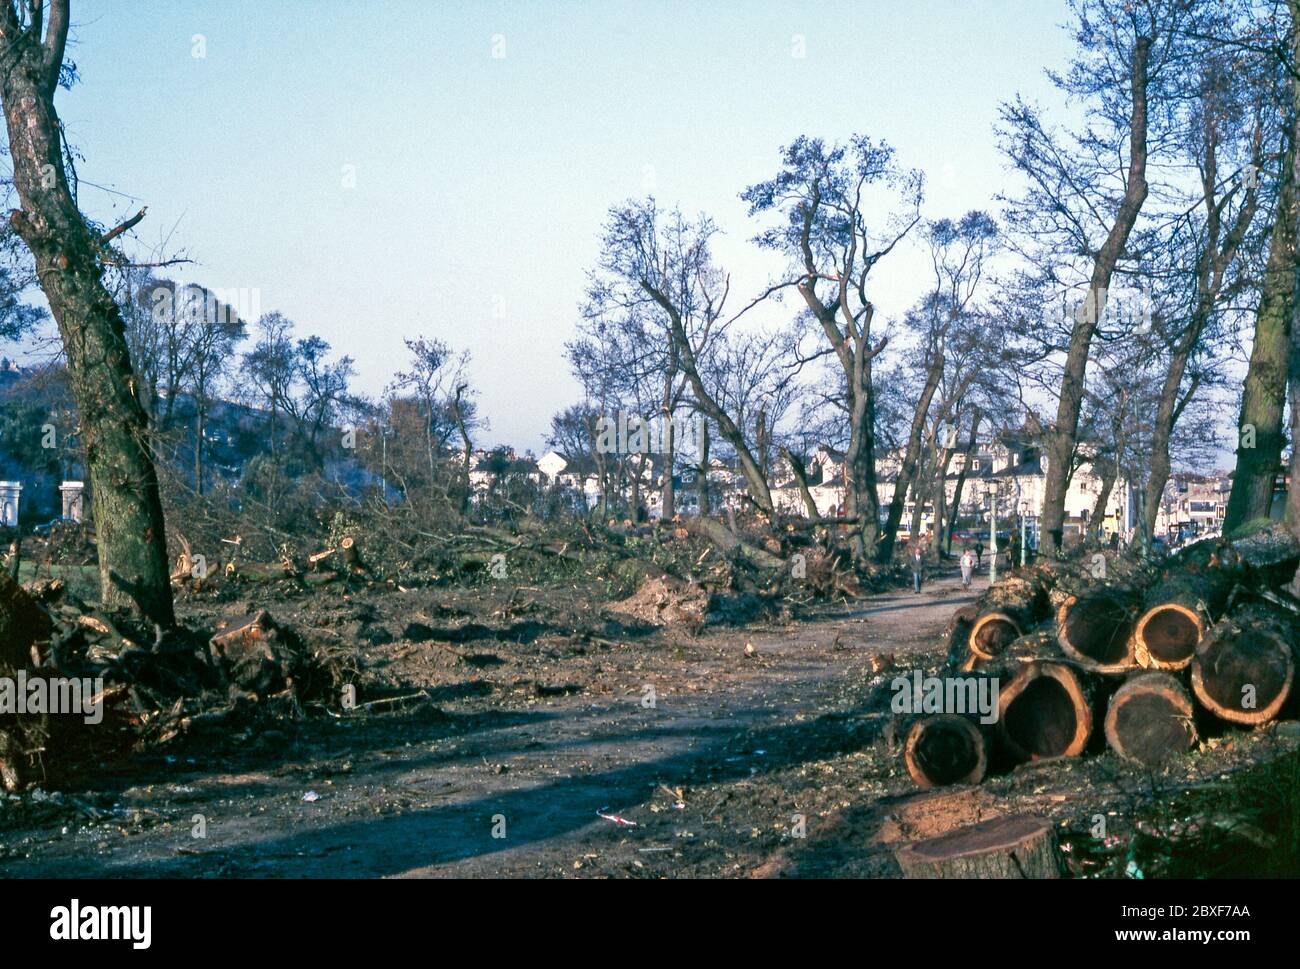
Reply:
x=967 y=567
x=917 y=555
x=979 y=555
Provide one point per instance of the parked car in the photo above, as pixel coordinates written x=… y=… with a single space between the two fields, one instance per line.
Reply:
x=49 y=526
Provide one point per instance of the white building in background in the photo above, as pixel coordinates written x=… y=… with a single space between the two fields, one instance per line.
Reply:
x=10 y=494
x=73 y=493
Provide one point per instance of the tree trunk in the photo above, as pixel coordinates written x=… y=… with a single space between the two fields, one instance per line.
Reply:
x=1064 y=434
x=801 y=479
x=749 y=466
x=941 y=510
x=1293 y=366
x=130 y=535
x=961 y=478
x=1259 y=431
x=702 y=482
x=199 y=421
x=885 y=551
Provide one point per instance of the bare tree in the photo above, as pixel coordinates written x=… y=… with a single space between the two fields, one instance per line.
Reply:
x=958 y=252
x=1085 y=192
x=664 y=260
x=826 y=198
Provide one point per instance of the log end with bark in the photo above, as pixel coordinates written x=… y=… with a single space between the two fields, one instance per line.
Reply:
x=1244 y=669
x=1151 y=719
x=1166 y=636
x=1095 y=630
x=991 y=633
x=1045 y=711
x=945 y=749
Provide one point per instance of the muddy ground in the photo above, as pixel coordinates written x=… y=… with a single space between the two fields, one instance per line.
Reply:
x=513 y=718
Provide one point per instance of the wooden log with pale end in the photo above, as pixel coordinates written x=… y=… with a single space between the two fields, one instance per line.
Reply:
x=1045 y=711
x=1244 y=668
x=944 y=749
x=1150 y=719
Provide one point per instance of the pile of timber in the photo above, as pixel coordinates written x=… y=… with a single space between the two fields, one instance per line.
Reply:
x=342 y=563
x=135 y=684
x=1101 y=650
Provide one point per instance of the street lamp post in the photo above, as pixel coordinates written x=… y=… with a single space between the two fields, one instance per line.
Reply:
x=993 y=533
x=1024 y=533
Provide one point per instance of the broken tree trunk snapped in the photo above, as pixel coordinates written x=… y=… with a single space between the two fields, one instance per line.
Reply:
x=1150 y=719
x=1244 y=668
x=1095 y=630
x=1045 y=711
x=945 y=749
x=1016 y=846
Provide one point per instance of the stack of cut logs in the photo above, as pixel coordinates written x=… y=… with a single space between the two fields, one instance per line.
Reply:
x=321 y=568
x=1152 y=653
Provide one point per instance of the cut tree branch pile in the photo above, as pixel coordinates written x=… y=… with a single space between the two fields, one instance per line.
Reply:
x=135 y=684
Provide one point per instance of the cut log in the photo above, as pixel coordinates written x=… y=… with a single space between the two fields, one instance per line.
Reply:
x=22 y=624
x=991 y=633
x=731 y=543
x=982 y=629
x=1150 y=719
x=1272 y=547
x=1016 y=846
x=1095 y=630
x=1174 y=622
x=1040 y=644
x=1045 y=711
x=945 y=749
x=1244 y=668
x=258 y=572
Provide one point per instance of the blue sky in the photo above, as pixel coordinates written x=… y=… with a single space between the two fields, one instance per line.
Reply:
x=481 y=182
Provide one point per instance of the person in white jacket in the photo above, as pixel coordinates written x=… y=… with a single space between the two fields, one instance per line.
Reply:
x=967 y=567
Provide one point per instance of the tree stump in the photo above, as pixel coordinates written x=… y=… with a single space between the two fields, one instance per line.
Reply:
x=254 y=654
x=1017 y=846
x=1150 y=719
x=945 y=749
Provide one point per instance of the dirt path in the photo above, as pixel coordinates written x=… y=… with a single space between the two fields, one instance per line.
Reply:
x=713 y=753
